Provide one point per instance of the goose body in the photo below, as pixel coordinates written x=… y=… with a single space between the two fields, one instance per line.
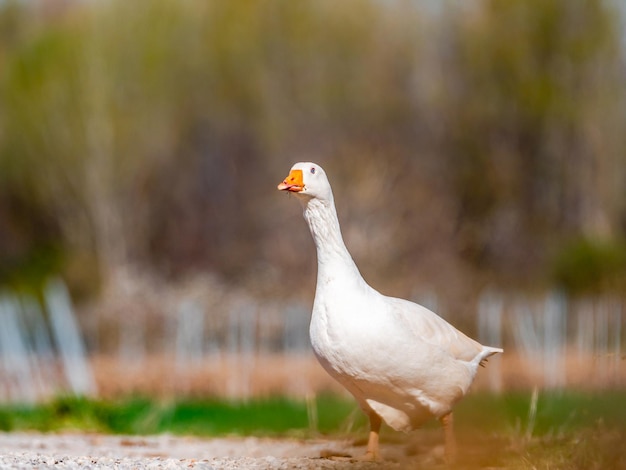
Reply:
x=402 y=362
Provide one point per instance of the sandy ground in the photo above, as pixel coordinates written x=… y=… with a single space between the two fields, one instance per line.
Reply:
x=95 y=451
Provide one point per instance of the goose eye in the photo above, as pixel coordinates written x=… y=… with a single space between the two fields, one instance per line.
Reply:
x=312 y=170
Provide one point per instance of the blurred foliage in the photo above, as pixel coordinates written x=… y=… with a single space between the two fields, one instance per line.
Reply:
x=531 y=83
x=583 y=266
x=269 y=416
x=558 y=413
x=463 y=143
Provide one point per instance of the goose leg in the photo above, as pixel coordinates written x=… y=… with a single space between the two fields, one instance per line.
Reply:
x=373 y=452
x=450 y=442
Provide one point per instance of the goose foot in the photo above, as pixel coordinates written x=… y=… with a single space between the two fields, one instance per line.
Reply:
x=373 y=454
x=370 y=457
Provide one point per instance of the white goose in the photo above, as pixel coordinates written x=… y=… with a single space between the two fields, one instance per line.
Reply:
x=402 y=362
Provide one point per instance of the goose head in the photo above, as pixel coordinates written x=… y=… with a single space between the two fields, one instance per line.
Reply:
x=308 y=180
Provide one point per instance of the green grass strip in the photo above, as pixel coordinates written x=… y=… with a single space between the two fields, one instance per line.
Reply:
x=556 y=413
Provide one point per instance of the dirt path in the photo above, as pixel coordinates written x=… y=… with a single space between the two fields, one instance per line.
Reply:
x=95 y=451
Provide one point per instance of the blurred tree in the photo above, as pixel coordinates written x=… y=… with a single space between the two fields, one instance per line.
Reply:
x=151 y=134
x=532 y=116
x=586 y=266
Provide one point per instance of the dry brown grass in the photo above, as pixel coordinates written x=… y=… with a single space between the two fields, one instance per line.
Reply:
x=244 y=376
x=223 y=376
x=514 y=371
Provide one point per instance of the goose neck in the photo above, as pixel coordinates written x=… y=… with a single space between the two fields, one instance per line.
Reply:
x=323 y=222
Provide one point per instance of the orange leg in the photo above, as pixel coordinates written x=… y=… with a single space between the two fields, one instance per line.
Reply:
x=450 y=442
x=373 y=453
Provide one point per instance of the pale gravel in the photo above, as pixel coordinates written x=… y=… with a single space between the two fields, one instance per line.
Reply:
x=96 y=451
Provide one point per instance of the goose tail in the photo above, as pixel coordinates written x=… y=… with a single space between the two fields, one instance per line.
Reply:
x=486 y=353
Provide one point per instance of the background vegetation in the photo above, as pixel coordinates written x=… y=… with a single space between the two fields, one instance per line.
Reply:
x=471 y=143
x=554 y=414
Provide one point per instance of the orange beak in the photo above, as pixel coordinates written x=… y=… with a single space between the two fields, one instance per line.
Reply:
x=293 y=182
